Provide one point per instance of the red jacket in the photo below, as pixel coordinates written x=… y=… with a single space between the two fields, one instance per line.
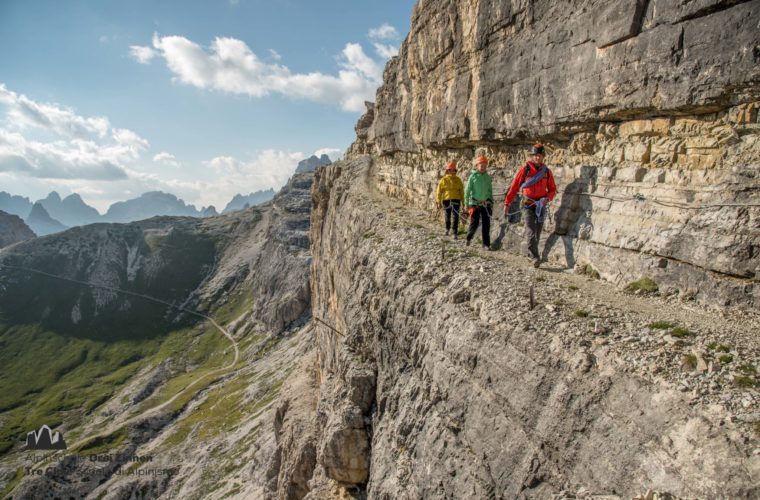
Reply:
x=543 y=188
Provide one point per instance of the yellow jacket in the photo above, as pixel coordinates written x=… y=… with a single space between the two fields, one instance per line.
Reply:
x=450 y=187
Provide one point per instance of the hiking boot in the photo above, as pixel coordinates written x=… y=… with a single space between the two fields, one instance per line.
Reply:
x=536 y=263
x=456 y=236
x=468 y=242
x=486 y=247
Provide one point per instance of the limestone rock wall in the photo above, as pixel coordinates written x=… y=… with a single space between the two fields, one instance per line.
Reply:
x=649 y=109
x=434 y=380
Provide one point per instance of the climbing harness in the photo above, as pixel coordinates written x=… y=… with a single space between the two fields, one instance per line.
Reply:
x=436 y=213
x=487 y=204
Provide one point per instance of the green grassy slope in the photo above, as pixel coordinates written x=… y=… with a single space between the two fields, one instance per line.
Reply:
x=54 y=379
x=67 y=348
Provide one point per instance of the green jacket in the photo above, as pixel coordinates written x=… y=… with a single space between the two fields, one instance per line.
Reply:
x=478 y=189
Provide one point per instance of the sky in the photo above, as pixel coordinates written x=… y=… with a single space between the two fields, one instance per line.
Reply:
x=204 y=99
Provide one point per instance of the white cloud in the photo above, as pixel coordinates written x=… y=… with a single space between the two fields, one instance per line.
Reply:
x=81 y=147
x=385 y=51
x=230 y=176
x=384 y=32
x=333 y=153
x=274 y=55
x=141 y=54
x=25 y=113
x=356 y=60
x=229 y=65
x=166 y=159
x=129 y=139
x=107 y=164
x=77 y=159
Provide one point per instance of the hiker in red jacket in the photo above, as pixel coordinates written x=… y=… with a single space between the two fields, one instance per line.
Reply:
x=535 y=182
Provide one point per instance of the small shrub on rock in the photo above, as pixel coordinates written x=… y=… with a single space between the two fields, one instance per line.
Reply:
x=661 y=325
x=744 y=382
x=645 y=285
x=680 y=332
x=689 y=362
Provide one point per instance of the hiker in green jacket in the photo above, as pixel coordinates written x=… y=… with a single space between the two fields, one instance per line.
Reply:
x=478 y=198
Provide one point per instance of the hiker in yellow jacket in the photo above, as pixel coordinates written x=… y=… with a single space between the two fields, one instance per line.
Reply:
x=449 y=194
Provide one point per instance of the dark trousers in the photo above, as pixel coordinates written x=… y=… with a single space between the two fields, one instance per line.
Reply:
x=532 y=231
x=481 y=214
x=452 y=208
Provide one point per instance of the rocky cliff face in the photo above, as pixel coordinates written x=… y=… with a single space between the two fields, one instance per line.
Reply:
x=271 y=256
x=446 y=372
x=13 y=229
x=436 y=376
x=649 y=108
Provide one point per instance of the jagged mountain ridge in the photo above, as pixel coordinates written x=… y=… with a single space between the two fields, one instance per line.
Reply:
x=71 y=210
x=145 y=256
x=149 y=205
x=239 y=201
x=16 y=205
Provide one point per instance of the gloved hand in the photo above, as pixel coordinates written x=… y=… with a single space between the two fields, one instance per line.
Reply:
x=438 y=206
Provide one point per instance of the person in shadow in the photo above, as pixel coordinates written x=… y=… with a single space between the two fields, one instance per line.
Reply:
x=573 y=212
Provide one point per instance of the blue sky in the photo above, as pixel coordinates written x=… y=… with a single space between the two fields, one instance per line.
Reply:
x=200 y=98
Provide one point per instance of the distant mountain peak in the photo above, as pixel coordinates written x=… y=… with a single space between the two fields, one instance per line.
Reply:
x=209 y=211
x=71 y=211
x=312 y=163
x=54 y=196
x=239 y=201
x=157 y=194
x=38 y=210
x=16 y=205
x=74 y=196
x=149 y=204
x=40 y=221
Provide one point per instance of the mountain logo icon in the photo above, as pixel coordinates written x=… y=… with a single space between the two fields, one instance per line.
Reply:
x=45 y=439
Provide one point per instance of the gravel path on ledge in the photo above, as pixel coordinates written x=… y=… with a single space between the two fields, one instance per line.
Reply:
x=711 y=355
